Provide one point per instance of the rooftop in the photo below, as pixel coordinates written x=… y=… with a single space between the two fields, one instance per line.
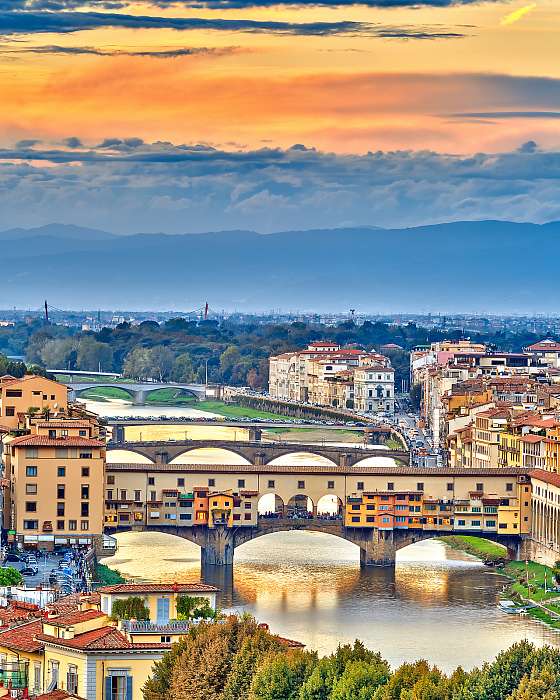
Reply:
x=158 y=588
x=75 y=617
x=551 y=478
x=23 y=637
x=45 y=441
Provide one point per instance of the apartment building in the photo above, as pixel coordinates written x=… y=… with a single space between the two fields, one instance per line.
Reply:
x=30 y=394
x=374 y=389
x=546 y=352
x=325 y=374
x=54 y=482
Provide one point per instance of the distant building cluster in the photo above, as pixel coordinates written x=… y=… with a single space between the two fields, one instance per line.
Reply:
x=325 y=374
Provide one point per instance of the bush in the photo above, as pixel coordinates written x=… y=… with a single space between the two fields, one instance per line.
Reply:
x=10 y=576
x=133 y=608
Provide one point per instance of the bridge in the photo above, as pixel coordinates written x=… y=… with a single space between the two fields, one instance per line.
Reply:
x=257 y=452
x=381 y=509
x=138 y=391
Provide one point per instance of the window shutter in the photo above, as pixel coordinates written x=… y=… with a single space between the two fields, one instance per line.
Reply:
x=108 y=694
x=129 y=688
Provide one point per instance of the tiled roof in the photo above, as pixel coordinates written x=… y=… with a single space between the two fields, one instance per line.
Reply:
x=22 y=637
x=63 y=424
x=104 y=638
x=546 y=344
x=355 y=470
x=551 y=478
x=58 y=695
x=532 y=438
x=44 y=441
x=18 y=611
x=158 y=588
x=74 y=618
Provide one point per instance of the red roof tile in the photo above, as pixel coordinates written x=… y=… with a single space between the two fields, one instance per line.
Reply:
x=45 y=441
x=57 y=695
x=22 y=637
x=75 y=617
x=158 y=588
x=101 y=638
x=551 y=478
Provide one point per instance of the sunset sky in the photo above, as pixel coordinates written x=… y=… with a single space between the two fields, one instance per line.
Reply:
x=183 y=116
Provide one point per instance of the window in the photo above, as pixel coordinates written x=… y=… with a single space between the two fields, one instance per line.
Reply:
x=185 y=516
x=60 y=508
x=480 y=487
x=271 y=483
x=31 y=488
x=61 y=452
x=355 y=518
x=118 y=687
x=30 y=524
x=211 y=482
x=247 y=516
x=30 y=471
x=370 y=518
x=72 y=679
x=14 y=393
x=301 y=484
x=420 y=486
x=60 y=491
x=370 y=506
x=165 y=639
x=360 y=486
x=60 y=524
x=31 y=452
x=31 y=506
x=461 y=523
x=85 y=471
x=61 y=471
x=390 y=486
x=151 y=481
x=137 y=496
x=10 y=411
x=111 y=479
x=85 y=492
x=123 y=495
x=82 y=433
x=72 y=524
x=450 y=486
x=509 y=487
x=330 y=484
x=241 y=483
x=84 y=510
x=247 y=505
x=86 y=455
x=153 y=496
x=180 y=482
x=475 y=523
x=84 y=524
x=356 y=507
x=490 y=523
x=109 y=494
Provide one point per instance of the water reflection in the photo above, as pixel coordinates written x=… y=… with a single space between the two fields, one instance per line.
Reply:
x=437 y=603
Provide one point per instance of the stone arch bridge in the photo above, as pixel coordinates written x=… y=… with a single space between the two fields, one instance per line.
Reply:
x=137 y=391
x=377 y=547
x=256 y=452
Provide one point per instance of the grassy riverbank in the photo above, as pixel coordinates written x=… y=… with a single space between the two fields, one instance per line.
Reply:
x=528 y=583
x=107 y=576
x=477 y=546
x=230 y=410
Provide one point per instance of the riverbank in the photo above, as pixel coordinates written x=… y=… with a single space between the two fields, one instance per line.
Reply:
x=106 y=576
x=478 y=547
x=531 y=583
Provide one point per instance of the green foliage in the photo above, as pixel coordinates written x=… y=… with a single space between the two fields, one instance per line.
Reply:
x=281 y=676
x=10 y=576
x=251 y=654
x=360 y=680
x=543 y=683
x=191 y=608
x=133 y=608
x=107 y=576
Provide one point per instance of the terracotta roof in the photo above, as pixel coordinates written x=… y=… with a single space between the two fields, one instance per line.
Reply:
x=75 y=617
x=18 y=611
x=63 y=424
x=547 y=344
x=158 y=588
x=22 y=637
x=551 y=478
x=290 y=643
x=58 y=695
x=532 y=438
x=104 y=638
x=44 y=441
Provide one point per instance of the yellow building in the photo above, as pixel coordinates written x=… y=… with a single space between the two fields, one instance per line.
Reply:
x=55 y=478
x=17 y=396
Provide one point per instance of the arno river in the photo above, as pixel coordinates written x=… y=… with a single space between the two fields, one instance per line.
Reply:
x=436 y=604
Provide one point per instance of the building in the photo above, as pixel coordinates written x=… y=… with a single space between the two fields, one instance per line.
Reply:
x=546 y=352
x=324 y=374
x=159 y=598
x=54 y=483
x=30 y=394
x=546 y=516
x=374 y=389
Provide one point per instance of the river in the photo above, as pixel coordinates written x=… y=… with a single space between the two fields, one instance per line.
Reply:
x=437 y=603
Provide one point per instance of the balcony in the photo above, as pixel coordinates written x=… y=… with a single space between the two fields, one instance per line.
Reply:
x=147 y=627
x=14 y=672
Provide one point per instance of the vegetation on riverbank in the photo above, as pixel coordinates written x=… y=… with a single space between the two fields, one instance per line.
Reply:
x=533 y=582
x=236 y=659
x=106 y=393
x=477 y=546
x=107 y=576
x=231 y=410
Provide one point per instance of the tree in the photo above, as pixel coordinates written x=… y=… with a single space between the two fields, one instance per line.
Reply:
x=252 y=652
x=228 y=359
x=59 y=353
x=93 y=355
x=133 y=608
x=161 y=361
x=543 y=684
x=360 y=680
x=158 y=685
x=281 y=676
x=10 y=576
x=192 y=608
x=183 y=371
x=137 y=364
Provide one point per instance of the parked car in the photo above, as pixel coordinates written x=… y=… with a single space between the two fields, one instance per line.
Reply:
x=29 y=571
x=12 y=556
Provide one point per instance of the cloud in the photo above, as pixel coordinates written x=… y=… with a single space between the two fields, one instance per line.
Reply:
x=56 y=50
x=58 y=5
x=506 y=115
x=72 y=142
x=127 y=185
x=518 y=14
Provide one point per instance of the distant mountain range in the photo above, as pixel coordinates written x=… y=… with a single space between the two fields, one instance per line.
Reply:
x=483 y=266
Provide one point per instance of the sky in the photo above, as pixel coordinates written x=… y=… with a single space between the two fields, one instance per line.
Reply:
x=194 y=115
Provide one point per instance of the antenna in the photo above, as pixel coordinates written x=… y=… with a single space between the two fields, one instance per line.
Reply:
x=46 y=312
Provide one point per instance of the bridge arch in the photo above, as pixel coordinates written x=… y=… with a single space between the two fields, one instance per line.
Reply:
x=330 y=505
x=123 y=455
x=300 y=504
x=300 y=457
x=270 y=504
x=78 y=390
x=211 y=455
